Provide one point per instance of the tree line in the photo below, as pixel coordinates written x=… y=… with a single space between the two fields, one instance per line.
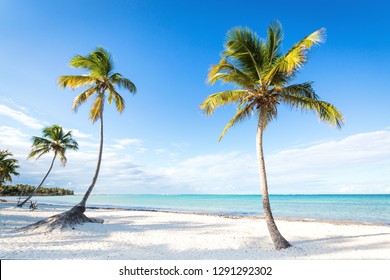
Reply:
x=22 y=189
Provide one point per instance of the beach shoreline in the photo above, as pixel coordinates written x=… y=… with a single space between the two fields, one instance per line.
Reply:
x=10 y=203
x=148 y=235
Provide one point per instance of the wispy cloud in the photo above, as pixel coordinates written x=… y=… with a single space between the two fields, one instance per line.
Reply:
x=15 y=141
x=78 y=134
x=232 y=172
x=121 y=144
x=21 y=117
x=359 y=163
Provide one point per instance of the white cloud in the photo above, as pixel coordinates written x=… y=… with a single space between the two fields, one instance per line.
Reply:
x=21 y=117
x=15 y=141
x=121 y=144
x=216 y=173
x=359 y=163
x=78 y=134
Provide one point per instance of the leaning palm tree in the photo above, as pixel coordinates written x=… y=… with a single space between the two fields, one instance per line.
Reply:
x=262 y=78
x=8 y=167
x=101 y=82
x=102 y=79
x=55 y=140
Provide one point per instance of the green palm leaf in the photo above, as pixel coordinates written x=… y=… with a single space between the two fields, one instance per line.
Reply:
x=246 y=50
x=83 y=97
x=326 y=112
x=96 y=108
x=75 y=81
x=8 y=166
x=296 y=56
x=241 y=115
x=222 y=98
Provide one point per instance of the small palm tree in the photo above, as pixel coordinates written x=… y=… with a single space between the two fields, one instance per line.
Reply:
x=101 y=81
x=8 y=167
x=262 y=76
x=55 y=140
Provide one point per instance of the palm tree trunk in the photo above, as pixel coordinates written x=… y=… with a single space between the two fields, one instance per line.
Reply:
x=40 y=184
x=81 y=205
x=279 y=241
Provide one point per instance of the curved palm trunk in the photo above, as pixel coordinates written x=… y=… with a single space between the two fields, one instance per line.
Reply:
x=81 y=205
x=279 y=241
x=40 y=184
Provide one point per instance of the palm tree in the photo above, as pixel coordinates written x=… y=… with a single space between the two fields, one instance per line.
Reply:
x=261 y=75
x=8 y=167
x=102 y=81
x=55 y=140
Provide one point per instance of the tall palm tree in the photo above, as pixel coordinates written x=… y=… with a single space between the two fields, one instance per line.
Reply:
x=101 y=81
x=261 y=75
x=55 y=140
x=8 y=166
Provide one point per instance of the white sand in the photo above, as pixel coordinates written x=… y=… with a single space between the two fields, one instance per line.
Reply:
x=159 y=235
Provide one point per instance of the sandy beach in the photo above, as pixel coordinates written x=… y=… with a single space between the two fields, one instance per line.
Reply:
x=148 y=235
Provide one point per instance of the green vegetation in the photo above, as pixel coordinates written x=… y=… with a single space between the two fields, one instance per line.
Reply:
x=261 y=75
x=8 y=167
x=53 y=140
x=21 y=190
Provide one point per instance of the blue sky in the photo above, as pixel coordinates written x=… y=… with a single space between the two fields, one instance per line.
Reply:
x=162 y=143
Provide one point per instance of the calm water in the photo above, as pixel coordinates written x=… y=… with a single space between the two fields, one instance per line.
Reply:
x=357 y=208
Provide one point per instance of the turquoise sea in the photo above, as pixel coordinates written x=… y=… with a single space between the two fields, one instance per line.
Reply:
x=354 y=208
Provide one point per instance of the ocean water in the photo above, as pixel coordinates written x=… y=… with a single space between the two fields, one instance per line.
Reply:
x=354 y=208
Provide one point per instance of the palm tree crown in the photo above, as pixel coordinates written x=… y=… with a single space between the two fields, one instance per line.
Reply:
x=100 y=78
x=263 y=75
x=53 y=139
x=8 y=166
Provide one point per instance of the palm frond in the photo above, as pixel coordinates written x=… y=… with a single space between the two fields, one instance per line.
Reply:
x=104 y=61
x=40 y=141
x=68 y=142
x=246 y=50
x=222 y=98
x=303 y=89
x=54 y=132
x=83 y=62
x=227 y=72
x=75 y=81
x=97 y=108
x=119 y=101
x=296 y=56
x=241 y=115
x=4 y=154
x=274 y=40
x=63 y=159
x=8 y=166
x=39 y=151
x=326 y=112
x=122 y=82
x=82 y=97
